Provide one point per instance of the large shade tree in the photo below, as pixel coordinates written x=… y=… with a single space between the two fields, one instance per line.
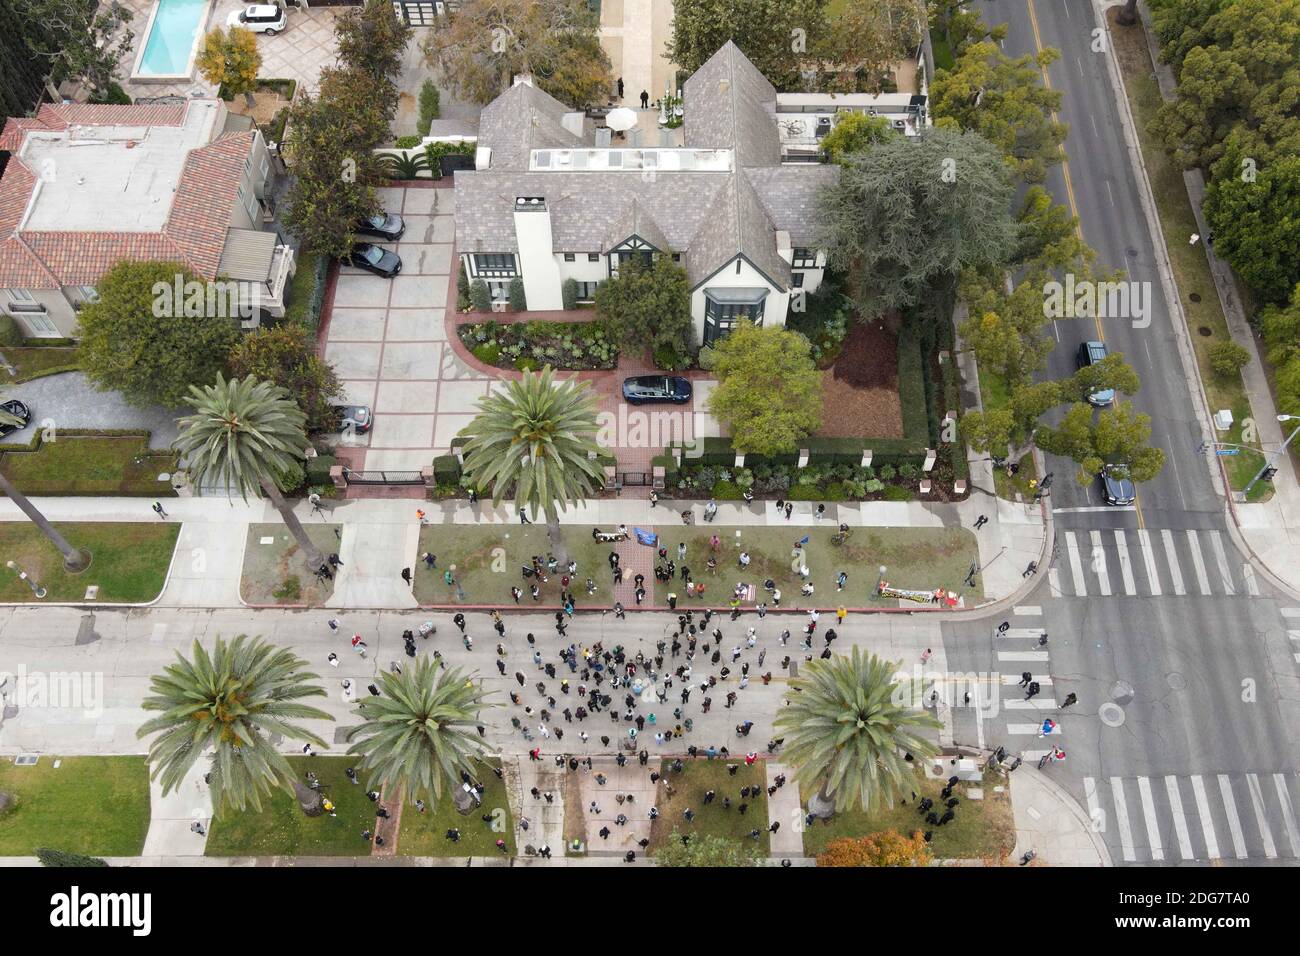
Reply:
x=74 y=559
x=242 y=435
x=231 y=701
x=421 y=732
x=848 y=728
x=537 y=437
x=769 y=391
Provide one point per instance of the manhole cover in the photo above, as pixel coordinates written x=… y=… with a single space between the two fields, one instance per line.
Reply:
x=1112 y=715
x=1194 y=296
x=1204 y=331
x=1121 y=692
x=1176 y=680
x=1131 y=251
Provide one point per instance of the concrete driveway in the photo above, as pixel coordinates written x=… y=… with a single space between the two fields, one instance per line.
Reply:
x=387 y=341
x=68 y=400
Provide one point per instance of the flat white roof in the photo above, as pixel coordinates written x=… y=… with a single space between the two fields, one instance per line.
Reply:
x=111 y=178
x=667 y=159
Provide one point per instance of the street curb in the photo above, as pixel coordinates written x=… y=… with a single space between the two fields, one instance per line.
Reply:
x=1060 y=794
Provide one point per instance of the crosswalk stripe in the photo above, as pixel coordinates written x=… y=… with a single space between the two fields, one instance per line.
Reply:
x=1009 y=679
x=1031 y=730
x=1076 y=566
x=1234 y=822
x=1288 y=814
x=1149 y=815
x=1125 y=567
x=1054 y=582
x=1033 y=756
x=1207 y=822
x=1293 y=634
x=1095 y=812
x=1291 y=612
x=1149 y=559
x=1037 y=703
x=1257 y=803
x=1027 y=610
x=1121 y=818
x=1171 y=555
x=1099 y=563
x=1022 y=632
x=1180 y=819
x=1198 y=562
x=1248 y=575
x=1216 y=545
x=1022 y=655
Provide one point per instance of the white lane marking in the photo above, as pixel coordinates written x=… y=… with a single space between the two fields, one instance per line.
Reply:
x=1149 y=559
x=1248 y=575
x=1293 y=634
x=1125 y=566
x=1180 y=819
x=1021 y=632
x=1171 y=555
x=1110 y=193
x=1035 y=703
x=1091 y=508
x=1009 y=679
x=1121 y=818
x=1207 y=822
x=1216 y=545
x=1028 y=610
x=1234 y=822
x=1095 y=812
x=1022 y=655
x=1257 y=803
x=1149 y=815
x=979 y=718
x=1031 y=730
x=1288 y=814
x=1076 y=566
x=1291 y=612
x=1198 y=562
x=1099 y=563
x=1054 y=582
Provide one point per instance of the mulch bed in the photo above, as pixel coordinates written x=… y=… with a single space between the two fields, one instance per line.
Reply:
x=860 y=391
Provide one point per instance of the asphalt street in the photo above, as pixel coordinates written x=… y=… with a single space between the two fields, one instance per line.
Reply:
x=1182 y=744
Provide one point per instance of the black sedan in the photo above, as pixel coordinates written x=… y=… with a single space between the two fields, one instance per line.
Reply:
x=352 y=418
x=1116 y=486
x=385 y=225
x=19 y=411
x=644 y=389
x=372 y=258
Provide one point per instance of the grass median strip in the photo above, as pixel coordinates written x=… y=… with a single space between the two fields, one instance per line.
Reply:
x=716 y=818
x=425 y=834
x=128 y=565
x=91 y=465
x=276 y=570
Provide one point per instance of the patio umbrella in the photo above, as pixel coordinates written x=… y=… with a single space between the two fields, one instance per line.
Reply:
x=620 y=119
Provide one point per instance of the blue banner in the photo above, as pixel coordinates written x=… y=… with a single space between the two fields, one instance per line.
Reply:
x=646 y=537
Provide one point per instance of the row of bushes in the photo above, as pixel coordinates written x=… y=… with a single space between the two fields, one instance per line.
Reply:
x=306 y=292
x=821 y=451
x=531 y=345
x=824 y=482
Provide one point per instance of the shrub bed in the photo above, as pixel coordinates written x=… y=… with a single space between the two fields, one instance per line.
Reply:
x=562 y=345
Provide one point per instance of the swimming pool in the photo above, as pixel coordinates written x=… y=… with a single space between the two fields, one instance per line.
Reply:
x=172 y=40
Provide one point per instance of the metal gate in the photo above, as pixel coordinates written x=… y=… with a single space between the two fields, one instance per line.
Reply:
x=634 y=478
x=383 y=477
x=423 y=13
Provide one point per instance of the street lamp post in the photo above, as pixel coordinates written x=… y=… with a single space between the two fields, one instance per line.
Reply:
x=1245 y=492
x=37 y=590
x=880 y=577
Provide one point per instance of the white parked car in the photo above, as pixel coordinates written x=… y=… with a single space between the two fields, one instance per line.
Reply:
x=266 y=18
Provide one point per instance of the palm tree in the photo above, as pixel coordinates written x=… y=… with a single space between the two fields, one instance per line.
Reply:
x=539 y=437
x=74 y=559
x=230 y=700
x=1127 y=16
x=243 y=433
x=848 y=730
x=421 y=732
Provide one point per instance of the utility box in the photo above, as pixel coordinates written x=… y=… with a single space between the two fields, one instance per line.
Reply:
x=1223 y=419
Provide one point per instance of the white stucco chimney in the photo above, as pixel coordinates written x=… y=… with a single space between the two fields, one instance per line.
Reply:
x=783 y=247
x=573 y=122
x=536 y=253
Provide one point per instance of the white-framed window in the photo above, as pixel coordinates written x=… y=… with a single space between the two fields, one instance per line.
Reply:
x=249 y=202
x=20 y=295
x=803 y=258
x=593 y=257
x=23 y=302
x=39 y=326
x=570 y=257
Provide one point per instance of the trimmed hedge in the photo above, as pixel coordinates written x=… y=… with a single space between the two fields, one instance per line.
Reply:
x=446 y=470
x=317 y=470
x=11 y=337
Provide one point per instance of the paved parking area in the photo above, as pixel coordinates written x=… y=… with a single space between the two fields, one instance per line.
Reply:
x=387 y=340
x=68 y=400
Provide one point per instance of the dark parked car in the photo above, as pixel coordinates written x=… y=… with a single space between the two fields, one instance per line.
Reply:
x=385 y=225
x=373 y=258
x=656 y=388
x=353 y=418
x=1090 y=353
x=1116 y=486
x=18 y=409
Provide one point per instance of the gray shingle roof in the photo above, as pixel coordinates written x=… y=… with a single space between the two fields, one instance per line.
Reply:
x=789 y=194
x=729 y=103
x=522 y=119
x=636 y=220
x=735 y=224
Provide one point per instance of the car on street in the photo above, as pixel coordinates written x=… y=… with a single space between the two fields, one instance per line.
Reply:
x=352 y=418
x=268 y=18
x=1116 y=486
x=645 y=389
x=373 y=258
x=384 y=225
x=1090 y=353
x=18 y=410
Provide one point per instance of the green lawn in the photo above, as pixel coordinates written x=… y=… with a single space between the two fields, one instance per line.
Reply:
x=281 y=829
x=275 y=569
x=1205 y=320
x=425 y=834
x=488 y=559
x=982 y=829
x=98 y=806
x=35 y=362
x=128 y=561
x=91 y=465
x=917 y=558
x=699 y=776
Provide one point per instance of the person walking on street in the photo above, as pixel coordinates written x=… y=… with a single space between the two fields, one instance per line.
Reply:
x=406 y=576
x=1033 y=690
x=159 y=510
x=981 y=521
x=1070 y=699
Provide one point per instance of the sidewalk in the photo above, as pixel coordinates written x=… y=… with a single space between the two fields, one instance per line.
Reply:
x=381 y=536
x=783 y=807
x=1052 y=824
x=171 y=817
